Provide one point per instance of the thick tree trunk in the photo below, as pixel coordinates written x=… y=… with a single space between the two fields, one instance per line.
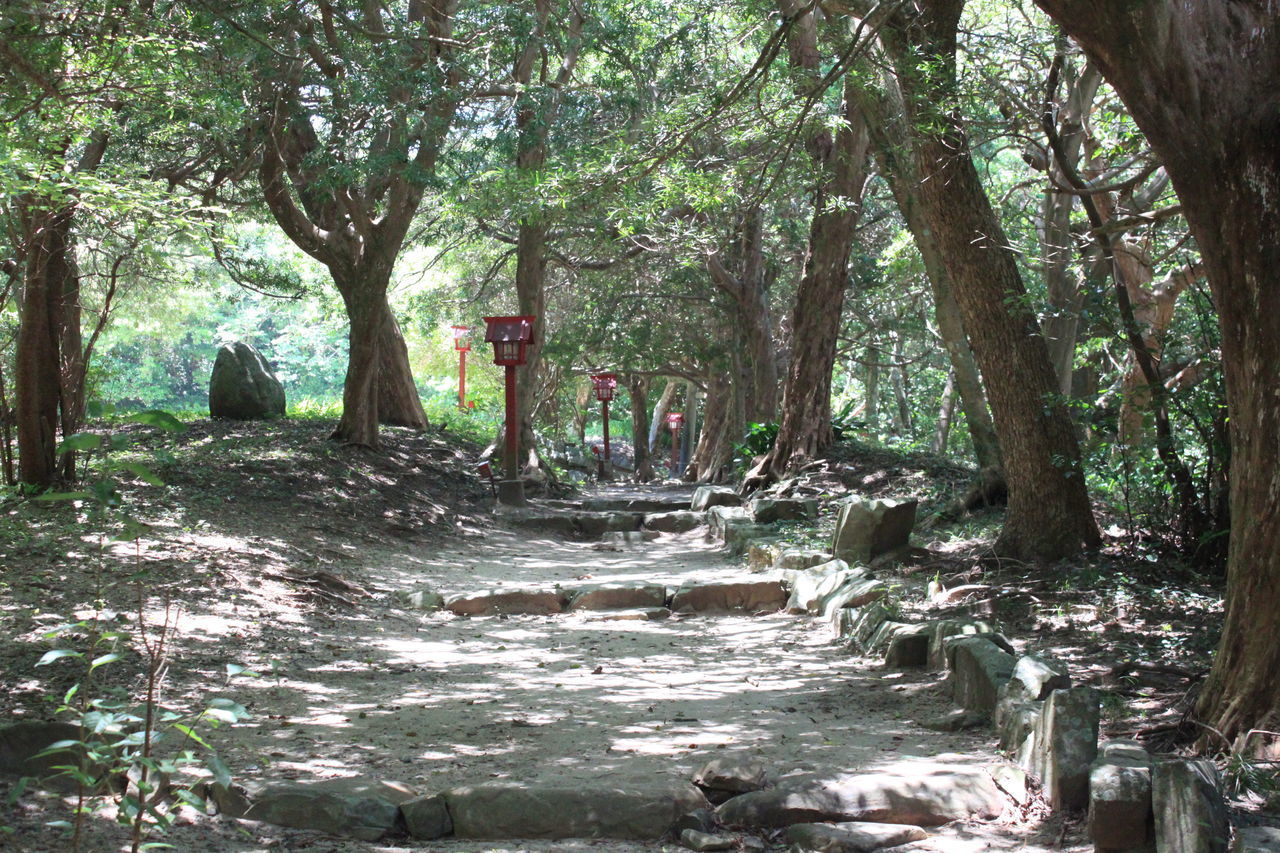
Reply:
x=1049 y=515
x=398 y=401
x=638 y=388
x=1200 y=80
x=805 y=429
x=37 y=361
x=714 y=450
x=946 y=411
x=365 y=295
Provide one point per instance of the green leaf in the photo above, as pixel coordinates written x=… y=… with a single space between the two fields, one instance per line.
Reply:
x=79 y=441
x=227 y=710
x=158 y=418
x=54 y=654
x=191 y=733
x=102 y=660
x=64 y=496
x=234 y=669
x=143 y=473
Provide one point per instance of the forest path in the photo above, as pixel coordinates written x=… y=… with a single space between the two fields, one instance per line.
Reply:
x=433 y=701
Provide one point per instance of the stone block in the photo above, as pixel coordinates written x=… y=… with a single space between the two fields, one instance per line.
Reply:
x=801 y=558
x=944 y=629
x=706 y=497
x=719 y=517
x=732 y=775
x=909 y=646
x=596 y=525
x=1120 y=817
x=1190 y=815
x=855 y=592
x=865 y=623
x=1256 y=839
x=1066 y=746
x=496 y=602
x=353 y=808
x=427 y=818
x=768 y=510
x=866 y=529
x=618 y=597
x=763 y=554
x=850 y=836
x=678 y=521
x=809 y=585
x=748 y=595
x=879 y=639
x=706 y=842
x=551 y=810
x=1035 y=677
x=739 y=537
x=924 y=795
x=979 y=668
x=1016 y=723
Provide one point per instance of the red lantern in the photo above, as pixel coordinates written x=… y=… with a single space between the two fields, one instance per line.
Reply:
x=461 y=338
x=675 y=420
x=510 y=337
x=604 y=383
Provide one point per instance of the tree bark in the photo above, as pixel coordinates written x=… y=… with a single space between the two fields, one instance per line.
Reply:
x=398 y=401
x=946 y=410
x=1200 y=80
x=638 y=388
x=1049 y=515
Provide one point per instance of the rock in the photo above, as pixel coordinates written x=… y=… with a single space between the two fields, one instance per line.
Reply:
x=507 y=601
x=851 y=836
x=596 y=525
x=1016 y=723
x=748 y=595
x=655 y=504
x=703 y=841
x=618 y=596
x=739 y=537
x=1034 y=678
x=1066 y=745
x=925 y=796
x=944 y=629
x=866 y=529
x=423 y=599
x=979 y=669
x=768 y=510
x=909 y=646
x=1013 y=781
x=865 y=624
x=732 y=775
x=1256 y=839
x=354 y=808
x=427 y=818
x=1190 y=815
x=701 y=820
x=1120 y=815
x=882 y=635
x=855 y=592
x=645 y=614
x=679 y=521
x=795 y=558
x=626 y=540
x=958 y=720
x=809 y=585
x=644 y=811
x=719 y=518
x=841 y=622
x=705 y=497
x=243 y=387
x=21 y=744
x=763 y=555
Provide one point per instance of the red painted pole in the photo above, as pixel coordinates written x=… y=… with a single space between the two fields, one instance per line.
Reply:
x=675 y=450
x=513 y=427
x=462 y=379
x=605 y=404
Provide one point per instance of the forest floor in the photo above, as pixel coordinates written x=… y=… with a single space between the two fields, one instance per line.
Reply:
x=280 y=552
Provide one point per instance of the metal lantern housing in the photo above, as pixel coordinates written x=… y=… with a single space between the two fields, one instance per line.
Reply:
x=461 y=338
x=510 y=337
x=675 y=420
x=604 y=383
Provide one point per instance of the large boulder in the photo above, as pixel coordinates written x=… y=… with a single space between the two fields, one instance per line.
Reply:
x=866 y=529
x=243 y=386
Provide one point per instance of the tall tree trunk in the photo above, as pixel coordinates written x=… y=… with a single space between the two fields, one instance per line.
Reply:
x=946 y=410
x=1049 y=515
x=714 y=450
x=37 y=375
x=398 y=401
x=894 y=143
x=805 y=429
x=638 y=389
x=364 y=293
x=1200 y=80
x=656 y=424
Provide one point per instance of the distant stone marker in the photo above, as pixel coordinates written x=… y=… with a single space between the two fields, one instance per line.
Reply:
x=867 y=529
x=243 y=386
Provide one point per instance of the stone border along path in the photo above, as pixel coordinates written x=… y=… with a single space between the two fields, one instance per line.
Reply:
x=588 y=704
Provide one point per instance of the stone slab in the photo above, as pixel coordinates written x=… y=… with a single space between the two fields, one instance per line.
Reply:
x=929 y=795
x=552 y=810
x=679 y=521
x=850 y=836
x=618 y=597
x=979 y=668
x=507 y=602
x=1190 y=815
x=706 y=497
x=867 y=529
x=352 y=808
x=1066 y=746
x=751 y=596
x=1120 y=816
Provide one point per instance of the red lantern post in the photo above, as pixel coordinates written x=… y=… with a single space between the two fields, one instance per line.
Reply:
x=605 y=383
x=462 y=343
x=510 y=337
x=675 y=420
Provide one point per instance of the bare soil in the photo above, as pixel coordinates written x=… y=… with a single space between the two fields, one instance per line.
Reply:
x=283 y=553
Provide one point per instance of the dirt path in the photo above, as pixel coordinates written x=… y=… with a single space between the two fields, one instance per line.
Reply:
x=432 y=700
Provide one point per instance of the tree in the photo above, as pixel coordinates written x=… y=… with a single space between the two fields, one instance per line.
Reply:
x=1200 y=80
